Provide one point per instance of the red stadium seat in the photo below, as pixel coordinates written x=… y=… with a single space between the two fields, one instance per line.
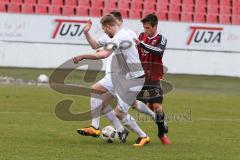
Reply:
x=106 y=11
x=173 y=16
x=200 y=18
x=95 y=12
x=57 y=2
x=236 y=3
x=55 y=10
x=84 y=3
x=188 y=2
x=14 y=8
x=151 y=1
x=162 y=1
x=212 y=9
x=174 y=8
x=123 y=4
x=71 y=3
x=162 y=16
x=225 y=19
x=3 y=7
x=81 y=11
x=124 y=13
x=30 y=1
x=200 y=2
x=136 y=5
x=110 y=4
x=16 y=1
x=135 y=14
x=186 y=17
x=27 y=8
x=236 y=10
x=4 y=1
x=97 y=4
x=187 y=8
x=44 y=2
x=225 y=10
x=146 y=12
x=212 y=2
x=164 y=7
x=41 y=9
x=236 y=19
x=149 y=6
x=175 y=2
x=212 y=18
x=200 y=9
x=225 y=3
x=68 y=11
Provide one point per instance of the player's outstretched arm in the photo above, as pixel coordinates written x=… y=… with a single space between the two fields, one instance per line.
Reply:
x=98 y=55
x=93 y=43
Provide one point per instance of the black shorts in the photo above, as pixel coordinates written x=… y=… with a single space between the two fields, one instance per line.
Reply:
x=151 y=92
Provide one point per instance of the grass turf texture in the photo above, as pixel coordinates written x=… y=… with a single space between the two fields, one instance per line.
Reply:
x=30 y=130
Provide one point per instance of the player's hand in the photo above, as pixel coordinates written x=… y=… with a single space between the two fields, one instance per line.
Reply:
x=88 y=26
x=137 y=41
x=77 y=59
x=98 y=50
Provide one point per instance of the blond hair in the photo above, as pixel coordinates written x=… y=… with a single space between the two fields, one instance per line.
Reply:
x=108 y=20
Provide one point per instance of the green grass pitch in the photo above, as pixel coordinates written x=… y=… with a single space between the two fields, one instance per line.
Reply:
x=203 y=115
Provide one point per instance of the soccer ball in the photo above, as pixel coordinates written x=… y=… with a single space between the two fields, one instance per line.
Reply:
x=109 y=134
x=42 y=78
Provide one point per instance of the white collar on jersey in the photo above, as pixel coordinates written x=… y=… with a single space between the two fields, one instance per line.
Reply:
x=153 y=36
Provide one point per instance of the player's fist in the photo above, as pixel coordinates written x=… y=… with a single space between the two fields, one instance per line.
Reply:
x=137 y=41
x=88 y=26
x=77 y=59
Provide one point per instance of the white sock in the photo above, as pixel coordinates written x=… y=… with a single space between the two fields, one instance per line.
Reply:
x=141 y=107
x=130 y=122
x=96 y=105
x=110 y=114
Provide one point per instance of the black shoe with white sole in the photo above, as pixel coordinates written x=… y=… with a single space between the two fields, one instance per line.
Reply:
x=123 y=135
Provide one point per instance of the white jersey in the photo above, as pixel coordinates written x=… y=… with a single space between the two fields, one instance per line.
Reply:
x=104 y=40
x=130 y=57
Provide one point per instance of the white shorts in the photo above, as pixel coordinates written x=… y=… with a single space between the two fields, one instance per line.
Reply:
x=106 y=82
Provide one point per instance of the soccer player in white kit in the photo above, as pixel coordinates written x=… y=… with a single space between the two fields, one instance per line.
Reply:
x=130 y=55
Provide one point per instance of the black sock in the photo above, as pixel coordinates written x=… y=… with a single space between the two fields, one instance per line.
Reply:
x=160 y=123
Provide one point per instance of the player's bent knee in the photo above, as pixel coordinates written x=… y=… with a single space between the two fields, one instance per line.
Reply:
x=134 y=106
x=98 y=89
x=120 y=114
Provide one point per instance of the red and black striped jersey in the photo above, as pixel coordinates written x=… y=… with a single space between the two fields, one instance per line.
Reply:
x=151 y=52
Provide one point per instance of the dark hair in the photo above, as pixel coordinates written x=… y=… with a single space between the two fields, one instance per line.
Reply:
x=117 y=14
x=108 y=19
x=151 y=19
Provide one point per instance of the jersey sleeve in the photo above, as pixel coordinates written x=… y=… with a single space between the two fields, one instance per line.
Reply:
x=159 y=49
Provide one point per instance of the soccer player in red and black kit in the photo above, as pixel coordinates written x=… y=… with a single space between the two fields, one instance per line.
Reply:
x=151 y=46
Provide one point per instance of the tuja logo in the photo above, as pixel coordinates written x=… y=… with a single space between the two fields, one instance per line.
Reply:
x=205 y=35
x=68 y=28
